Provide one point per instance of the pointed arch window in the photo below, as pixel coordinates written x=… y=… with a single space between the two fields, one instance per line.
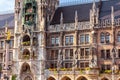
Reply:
x=102 y=38
x=118 y=36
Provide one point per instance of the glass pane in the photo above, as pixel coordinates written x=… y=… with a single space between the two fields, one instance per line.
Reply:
x=66 y=40
x=82 y=39
x=53 y=41
x=87 y=38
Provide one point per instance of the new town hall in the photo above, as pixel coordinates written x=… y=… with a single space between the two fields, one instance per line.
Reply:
x=49 y=42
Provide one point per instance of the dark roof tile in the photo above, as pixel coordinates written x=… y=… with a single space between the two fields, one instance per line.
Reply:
x=9 y=18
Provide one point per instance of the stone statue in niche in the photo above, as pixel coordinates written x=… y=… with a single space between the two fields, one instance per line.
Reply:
x=93 y=59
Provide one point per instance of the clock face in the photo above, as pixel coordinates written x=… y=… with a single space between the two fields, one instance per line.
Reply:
x=29 y=12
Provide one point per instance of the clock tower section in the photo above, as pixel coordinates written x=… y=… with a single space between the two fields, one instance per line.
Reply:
x=31 y=20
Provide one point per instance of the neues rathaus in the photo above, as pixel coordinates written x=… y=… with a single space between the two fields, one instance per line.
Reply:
x=52 y=42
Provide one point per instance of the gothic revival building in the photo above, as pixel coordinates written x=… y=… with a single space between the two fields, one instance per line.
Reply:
x=76 y=42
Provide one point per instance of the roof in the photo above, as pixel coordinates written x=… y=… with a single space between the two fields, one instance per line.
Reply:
x=84 y=11
x=9 y=18
x=105 y=12
x=69 y=13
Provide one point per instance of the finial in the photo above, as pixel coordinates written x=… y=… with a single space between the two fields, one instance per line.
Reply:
x=76 y=18
x=61 y=18
x=94 y=5
x=112 y=15
x=6 y=26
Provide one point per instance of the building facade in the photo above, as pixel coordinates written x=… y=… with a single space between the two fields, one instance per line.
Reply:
x=76 y=42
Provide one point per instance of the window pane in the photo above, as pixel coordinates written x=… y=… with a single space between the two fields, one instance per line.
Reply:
x=108 y=54
x=118 y=38
x=87 y=52
x=66 y=40
x=71 y=39
x=53 y=41
x=87 y=38
x=82 y=52
x=82 y=39
x=102 y=38
x=107 y=38
x=66 y=54
x=2 y=44
x=57 y=40
x=103 y=54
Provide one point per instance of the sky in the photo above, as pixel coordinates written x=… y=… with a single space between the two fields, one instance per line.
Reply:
x=8 y=5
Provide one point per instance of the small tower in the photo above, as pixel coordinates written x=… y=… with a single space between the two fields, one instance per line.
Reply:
x=30 y=35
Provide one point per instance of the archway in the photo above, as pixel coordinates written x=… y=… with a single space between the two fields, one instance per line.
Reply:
x=26 y=54
x=51 y=78
x=104 y=79
x=26 y=40
x=65 y=78
x=28 y=78
x=82 y=78
x=26 y=73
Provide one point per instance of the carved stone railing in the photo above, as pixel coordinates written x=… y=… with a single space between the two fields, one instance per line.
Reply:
x=69 y=27
x=83 y=25
x=74 y=72
x=108 y=23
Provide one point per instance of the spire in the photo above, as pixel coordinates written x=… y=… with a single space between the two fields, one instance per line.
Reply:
x=112 y=15
x=76 y=18
x=94 y=6
x=6 y=26
x=61 y=18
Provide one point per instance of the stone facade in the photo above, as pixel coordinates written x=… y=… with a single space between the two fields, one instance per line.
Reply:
x=64 y=43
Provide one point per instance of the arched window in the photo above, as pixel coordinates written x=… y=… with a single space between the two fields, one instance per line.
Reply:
x=26 y=40
x=107 y=38
x=118 y=36
x=102 y=38
x=26 y=54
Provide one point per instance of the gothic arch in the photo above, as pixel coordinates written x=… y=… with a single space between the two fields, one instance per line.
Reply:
x=82 y=78
x=26 y=54
x=65 y=78
x=51 y=78
x=25 y=72
x=104 y=78
x=25 y=68
x=26 y=40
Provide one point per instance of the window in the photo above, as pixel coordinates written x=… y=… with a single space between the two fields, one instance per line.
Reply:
x=105 y=67
x=119 y=53
x=10 y=56
x=1 y=57
x=118 y=36
x=84 y=39
x=2 y=44
x=102 y=37
x=105 y=54
x=53 y=55
x=68 y=65
x=69 y=54
x=87 y=38
x=83 y=64
x=69 y=40
x=11 y=44
x=55 y=41
x=87 y=52
x=84 y=53
x=107 y=38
